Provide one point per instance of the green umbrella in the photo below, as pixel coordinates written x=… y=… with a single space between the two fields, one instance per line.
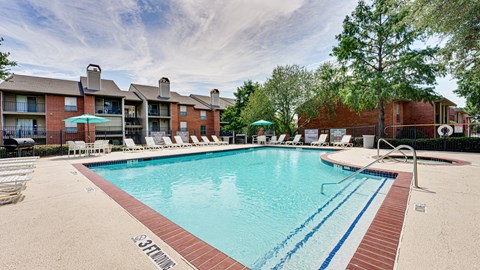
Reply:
x=86 y=119
x=261 y=123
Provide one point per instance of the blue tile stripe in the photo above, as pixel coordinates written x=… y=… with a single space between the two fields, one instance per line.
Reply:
x=315 y=229
x=350 y=229
x=259 y=264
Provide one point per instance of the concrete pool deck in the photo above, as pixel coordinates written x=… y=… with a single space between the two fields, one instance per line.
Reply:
x=59 y=225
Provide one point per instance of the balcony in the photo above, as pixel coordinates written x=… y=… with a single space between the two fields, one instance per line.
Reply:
x=23 y=107
x=133 y=121
x=24 y=132
x=105 y=110
x=108 y=131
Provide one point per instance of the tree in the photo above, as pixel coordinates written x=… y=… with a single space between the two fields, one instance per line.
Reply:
x=379 y=63
x=4 y=63
x=258 y=107
x=232 y=114
x=458 y=23
x=290 y=93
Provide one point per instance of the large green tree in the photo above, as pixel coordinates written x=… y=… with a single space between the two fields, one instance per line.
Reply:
x=289 y=91
x=5 y=63
x=258 y=107
x=457 y=22
x=233 y=113
x=375 y=50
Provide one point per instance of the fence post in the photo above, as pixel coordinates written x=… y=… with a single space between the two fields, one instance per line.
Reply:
x=374 y=129
x=415 y=136
x=61 y=142
x=353 y=133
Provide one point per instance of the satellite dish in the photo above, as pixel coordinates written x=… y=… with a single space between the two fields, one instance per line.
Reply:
x=445 y=130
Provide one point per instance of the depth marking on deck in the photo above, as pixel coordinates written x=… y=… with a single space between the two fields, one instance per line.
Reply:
x=154 y=252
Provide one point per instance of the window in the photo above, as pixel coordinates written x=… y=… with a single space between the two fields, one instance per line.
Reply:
x=70 y=127
x=153 y=109
x=70 y=104
x=203 y=130
x=398 y=112
x=203 y=115
x=183 y=110
x=183 y=126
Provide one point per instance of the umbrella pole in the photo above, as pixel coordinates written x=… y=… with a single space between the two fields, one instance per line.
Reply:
x=88 y=130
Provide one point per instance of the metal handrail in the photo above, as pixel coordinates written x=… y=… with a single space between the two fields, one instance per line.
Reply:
x=391 y=145
x=398 y=148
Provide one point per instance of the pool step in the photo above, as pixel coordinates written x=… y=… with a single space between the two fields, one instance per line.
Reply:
x=309 y=244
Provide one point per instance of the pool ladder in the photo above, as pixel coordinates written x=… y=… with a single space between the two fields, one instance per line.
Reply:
x=379 y=159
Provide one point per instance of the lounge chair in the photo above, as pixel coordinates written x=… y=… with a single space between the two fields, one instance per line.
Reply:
x=130 y=146
x=280 y=140
x=273 y=140
x=169 y=144
x=196 y=142
x=9 y=197
x=19 y=159
x=217 y=141
x=16 y=166
x=207 y=141
x=81 y=146
x=344 y=142
x=151 y=145
x=262 y=139
x=15 y=179
x=296 y=140
x=180 y=142
x=16 y=172
x=322 y=140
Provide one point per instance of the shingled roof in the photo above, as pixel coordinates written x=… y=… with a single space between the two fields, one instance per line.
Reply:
x=151 y=94
x=223 y=102
x=109 y=88
x=42 y=85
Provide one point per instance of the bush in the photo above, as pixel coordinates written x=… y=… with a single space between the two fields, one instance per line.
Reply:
x=457 y=144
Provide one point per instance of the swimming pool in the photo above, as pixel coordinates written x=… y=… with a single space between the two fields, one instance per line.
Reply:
x=262 y=207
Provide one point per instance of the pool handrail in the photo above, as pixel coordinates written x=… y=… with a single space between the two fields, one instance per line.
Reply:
x=391 y=145
x=396 y=149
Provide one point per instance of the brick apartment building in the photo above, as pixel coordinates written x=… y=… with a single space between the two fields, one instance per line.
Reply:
x=36 y=107
x=399 y=113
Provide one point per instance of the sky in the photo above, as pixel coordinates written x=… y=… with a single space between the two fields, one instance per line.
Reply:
x=197 y=44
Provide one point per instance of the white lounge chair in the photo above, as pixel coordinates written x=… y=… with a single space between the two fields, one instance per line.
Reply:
x=280 y=140
x=196 y=142
x=207 y=141
x=344 y=142
x=169 y=144
x=81 y=146
x=15 y=179
x=151 y=145
x=19 y=159
x=16 y=172
x=9 y=197
x=262 y=139
x=16 y=166
x=322 y=140
x=296 y=140
x=131 y=146
x=180 y=142
x=273 y=140
x=217 y=141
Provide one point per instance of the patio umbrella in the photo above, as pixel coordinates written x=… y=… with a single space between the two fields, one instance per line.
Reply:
x=86 y=119
x=261 y=123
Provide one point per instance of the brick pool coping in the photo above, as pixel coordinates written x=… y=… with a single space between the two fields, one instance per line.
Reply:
x=197 y=252
x=379 y=246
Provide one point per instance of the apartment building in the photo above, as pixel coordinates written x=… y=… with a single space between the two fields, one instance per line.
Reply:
x=398 y=114
x=35 y=107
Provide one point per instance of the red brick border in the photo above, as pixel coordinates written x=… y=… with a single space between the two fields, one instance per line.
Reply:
x=378 y=248
x=197 y=252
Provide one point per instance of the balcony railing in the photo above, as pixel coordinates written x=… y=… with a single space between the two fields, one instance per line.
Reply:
x=133 y=121
x=12 y=106
x=108 y=131
x=103 y=110
x=23 y=132
x=165 y=113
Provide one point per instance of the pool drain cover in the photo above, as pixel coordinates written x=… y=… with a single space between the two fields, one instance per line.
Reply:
x=421 y=207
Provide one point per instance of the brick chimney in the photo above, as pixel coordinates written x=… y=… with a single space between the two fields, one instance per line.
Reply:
x=215 y=98
x=164 y=88
x=94 y=78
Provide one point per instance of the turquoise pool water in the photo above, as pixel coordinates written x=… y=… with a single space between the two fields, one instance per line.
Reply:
x=262 y=206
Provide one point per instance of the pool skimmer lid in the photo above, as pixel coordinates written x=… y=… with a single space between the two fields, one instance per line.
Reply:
x=421 y=207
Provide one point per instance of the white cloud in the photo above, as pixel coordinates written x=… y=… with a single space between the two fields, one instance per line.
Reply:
x=197 y=44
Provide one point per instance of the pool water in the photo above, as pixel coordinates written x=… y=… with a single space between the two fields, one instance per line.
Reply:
x=262 y=206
